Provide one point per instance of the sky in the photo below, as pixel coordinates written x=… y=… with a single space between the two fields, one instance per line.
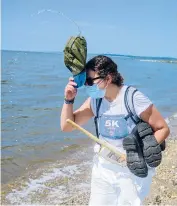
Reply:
x=138 y=27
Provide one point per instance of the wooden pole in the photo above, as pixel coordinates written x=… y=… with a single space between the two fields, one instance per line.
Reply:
x=102 y=142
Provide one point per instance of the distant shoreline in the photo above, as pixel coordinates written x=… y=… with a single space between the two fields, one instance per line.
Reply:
x=147 y=58
x=142 y=58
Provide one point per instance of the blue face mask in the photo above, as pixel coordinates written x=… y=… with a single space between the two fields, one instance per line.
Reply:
x=95 y=92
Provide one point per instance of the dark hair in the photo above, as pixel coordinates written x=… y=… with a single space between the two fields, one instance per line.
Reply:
x=104 y=66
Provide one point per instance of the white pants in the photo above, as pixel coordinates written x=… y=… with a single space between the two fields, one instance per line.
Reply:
x=115 y=185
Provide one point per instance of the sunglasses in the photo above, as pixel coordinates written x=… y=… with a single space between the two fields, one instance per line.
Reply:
x=89 y=80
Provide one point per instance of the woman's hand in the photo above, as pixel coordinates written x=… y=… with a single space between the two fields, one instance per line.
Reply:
x=70 y=91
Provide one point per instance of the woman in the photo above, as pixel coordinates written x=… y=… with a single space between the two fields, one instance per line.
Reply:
x=112 y=184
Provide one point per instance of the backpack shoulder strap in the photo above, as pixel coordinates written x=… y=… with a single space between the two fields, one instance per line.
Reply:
x=129 y=104
x=98 y=104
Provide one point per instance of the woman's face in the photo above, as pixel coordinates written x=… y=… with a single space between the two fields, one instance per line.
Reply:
x=94 y=78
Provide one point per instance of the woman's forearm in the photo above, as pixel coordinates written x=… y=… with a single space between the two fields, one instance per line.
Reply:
x=67 y=110
x=162 y=134
x=67 y=113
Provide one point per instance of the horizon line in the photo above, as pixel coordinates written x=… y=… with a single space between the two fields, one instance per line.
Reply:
x=103 y=53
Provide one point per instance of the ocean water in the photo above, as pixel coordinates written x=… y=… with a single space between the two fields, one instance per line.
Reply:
x=33 y=147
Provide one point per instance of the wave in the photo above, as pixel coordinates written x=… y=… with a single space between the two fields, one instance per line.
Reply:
x=53 y=186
